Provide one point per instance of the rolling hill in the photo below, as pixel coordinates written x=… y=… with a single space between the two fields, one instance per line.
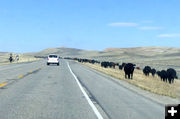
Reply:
x=157 y=57
x=115 y=53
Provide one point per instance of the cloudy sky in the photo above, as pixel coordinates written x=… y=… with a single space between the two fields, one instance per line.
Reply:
x=33 y=25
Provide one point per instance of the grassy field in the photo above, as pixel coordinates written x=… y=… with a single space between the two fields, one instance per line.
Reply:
x=22 y=58
x=152 y=84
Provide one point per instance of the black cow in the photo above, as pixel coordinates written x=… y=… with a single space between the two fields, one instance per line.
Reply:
x=147 y=70
x=138 y=68
x=171 y=75
x=122 y=66
x=163 y=75
x=158 y=73
x=92 y=61
x=153 y=71
x=98 y=62
x=104 y=64
x=129 y=69
x=112 y=65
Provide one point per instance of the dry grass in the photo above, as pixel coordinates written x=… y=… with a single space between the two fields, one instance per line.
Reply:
x=152 y=84
x=22 y=58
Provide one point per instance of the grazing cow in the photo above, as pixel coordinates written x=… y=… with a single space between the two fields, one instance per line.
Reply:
x=112 y=64
x=117 y=64
x=75 y=58
x=104 y=64
x=95 y=61
x=129 y=69
x=92 y=61
x=123 y=64
x=120 y=67
x=79 y=60
x=147 y=70
x=138 y=68
x=158 y=73
x=163 y=75
x=153 y=71
x=171 y=75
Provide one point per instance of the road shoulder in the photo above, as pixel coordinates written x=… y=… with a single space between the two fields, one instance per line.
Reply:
x=151 y=96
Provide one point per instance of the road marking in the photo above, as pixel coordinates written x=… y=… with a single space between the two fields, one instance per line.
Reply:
x=3 y=84
x=20 y=76
x=99 y=116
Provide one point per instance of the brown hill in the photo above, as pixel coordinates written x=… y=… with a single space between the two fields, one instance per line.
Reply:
x=157 y=57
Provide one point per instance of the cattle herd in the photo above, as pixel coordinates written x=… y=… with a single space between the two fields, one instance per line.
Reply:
x=166 y=75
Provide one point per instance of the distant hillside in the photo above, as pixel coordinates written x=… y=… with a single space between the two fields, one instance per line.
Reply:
x=157 y=57
x=3 y=53
x=66 y=52
x=3 y=57
x=123 y=53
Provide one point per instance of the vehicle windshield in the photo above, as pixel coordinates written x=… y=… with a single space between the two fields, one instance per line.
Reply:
x=52 y=56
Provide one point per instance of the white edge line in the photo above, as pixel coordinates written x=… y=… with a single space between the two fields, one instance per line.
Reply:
x=99 y=116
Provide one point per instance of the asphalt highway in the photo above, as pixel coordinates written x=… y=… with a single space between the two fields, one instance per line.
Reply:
x=69 y=91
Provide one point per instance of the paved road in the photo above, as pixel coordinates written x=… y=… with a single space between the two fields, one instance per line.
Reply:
x=12 y=71
x=55 y=92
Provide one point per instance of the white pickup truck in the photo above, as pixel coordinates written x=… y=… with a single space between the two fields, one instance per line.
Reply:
x=53 y=59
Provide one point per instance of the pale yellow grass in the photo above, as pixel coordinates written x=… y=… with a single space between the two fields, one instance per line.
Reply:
x=22 y=58
x=152 y=84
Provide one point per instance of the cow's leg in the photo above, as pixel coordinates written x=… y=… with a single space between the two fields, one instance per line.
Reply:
x=132 y=76
x=164 y=79
x=170 y=80
x=128 y=76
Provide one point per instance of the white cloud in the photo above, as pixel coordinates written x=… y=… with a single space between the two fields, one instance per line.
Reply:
x=175 y=35
x=150 y=28
x=123 y=24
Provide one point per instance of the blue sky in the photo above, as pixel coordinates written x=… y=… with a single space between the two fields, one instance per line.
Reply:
x=33 y=25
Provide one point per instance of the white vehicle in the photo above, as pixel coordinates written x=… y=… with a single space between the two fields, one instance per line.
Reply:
x=53 y=59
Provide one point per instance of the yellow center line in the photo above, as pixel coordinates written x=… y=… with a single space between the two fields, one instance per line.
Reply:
x=20 y=76
x=3 y=84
